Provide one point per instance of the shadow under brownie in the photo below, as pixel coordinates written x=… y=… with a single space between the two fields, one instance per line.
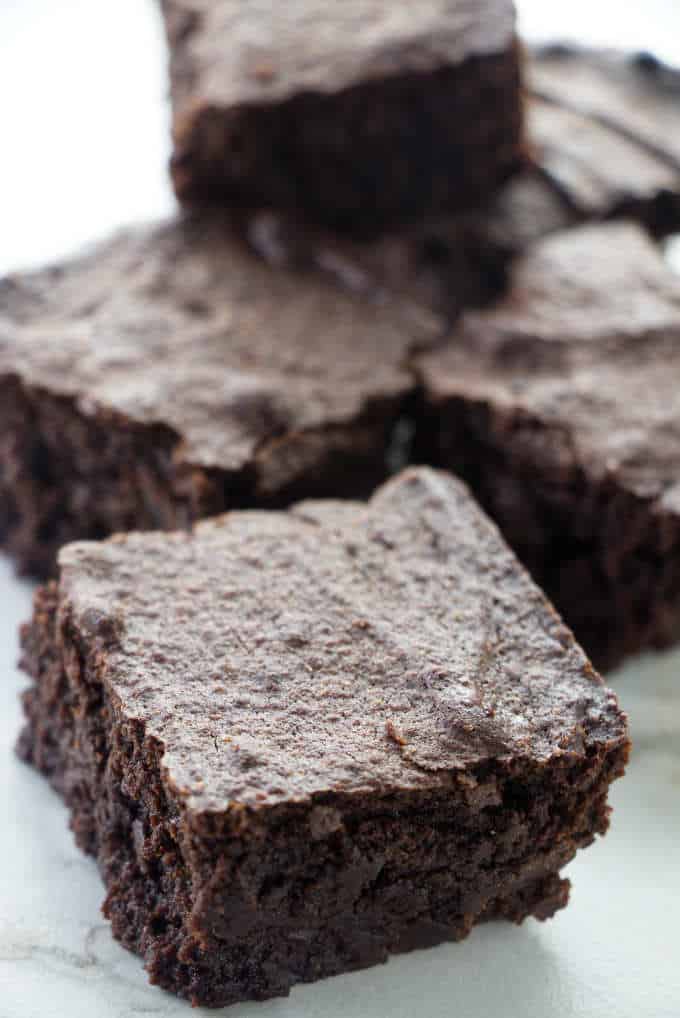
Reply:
x=298 y=742
x=592 y=156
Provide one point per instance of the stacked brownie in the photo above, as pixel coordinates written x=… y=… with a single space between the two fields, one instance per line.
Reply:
x=303 y=715
x=376 y=114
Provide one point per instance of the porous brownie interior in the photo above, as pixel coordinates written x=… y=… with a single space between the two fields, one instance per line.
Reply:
x=68 y=475
x=222 y=911
x=64 y=475
x=363 y=158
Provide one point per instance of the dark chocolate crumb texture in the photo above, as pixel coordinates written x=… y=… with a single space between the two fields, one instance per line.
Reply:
x=561 y=408
x=299 y=741
x=356 y=116
x=170 y=374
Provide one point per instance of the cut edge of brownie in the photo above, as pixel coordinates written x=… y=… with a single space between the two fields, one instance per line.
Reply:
x=300 y=154
x=307 y=889
x=67 y=474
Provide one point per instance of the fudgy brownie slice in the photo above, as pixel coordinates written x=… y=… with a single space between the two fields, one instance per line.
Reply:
x=299 y=741
x=354 y=115
x=561 y=407
x=170 y=374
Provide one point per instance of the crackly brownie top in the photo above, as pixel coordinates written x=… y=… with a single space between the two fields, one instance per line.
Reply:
x=586 y=342
x=179 y=324
x=334 y=648
x=229 y=52
x=605 y=126
x=634 y=94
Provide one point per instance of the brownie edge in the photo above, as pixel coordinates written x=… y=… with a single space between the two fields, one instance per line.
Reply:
x=298 y=742
x=355 y=129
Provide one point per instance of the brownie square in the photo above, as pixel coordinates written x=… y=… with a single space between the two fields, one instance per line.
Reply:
x=169 y=375
x=604 y=127
x=356 y=116
x=561 y=408
x=297 y=742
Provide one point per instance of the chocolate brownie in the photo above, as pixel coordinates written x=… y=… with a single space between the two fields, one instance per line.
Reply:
x=299 y=741
x=170 y=374
x=356 y=116
x=605 y=129
x=561 y=407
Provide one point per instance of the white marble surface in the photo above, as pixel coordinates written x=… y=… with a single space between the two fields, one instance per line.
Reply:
x=83 y=148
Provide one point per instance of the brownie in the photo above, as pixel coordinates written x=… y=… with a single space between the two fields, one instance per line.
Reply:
x=561 y=408
x=169 y=374
x=297 y=742
x=605 y=129
x=594 y=156
x=355 y=116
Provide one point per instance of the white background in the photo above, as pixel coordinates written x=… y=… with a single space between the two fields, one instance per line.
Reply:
x=83 y=148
